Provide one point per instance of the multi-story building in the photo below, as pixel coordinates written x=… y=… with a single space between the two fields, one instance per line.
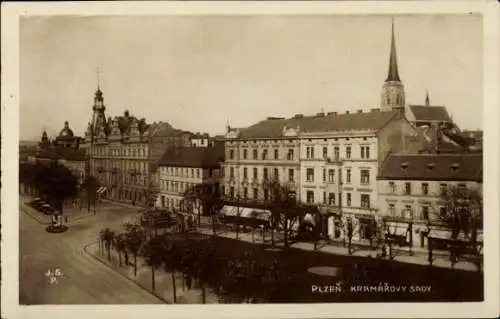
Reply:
x=182 y=168
x=410 y=188
x=65 y=149
x=123 y=152
x=330 y=160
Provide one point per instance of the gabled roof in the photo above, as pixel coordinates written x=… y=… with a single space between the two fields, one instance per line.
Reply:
x=332 y=122
x=430 y=113
x=197 y=157
x=433 y=167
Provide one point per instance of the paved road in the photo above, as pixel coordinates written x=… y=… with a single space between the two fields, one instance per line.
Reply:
x=84 y=281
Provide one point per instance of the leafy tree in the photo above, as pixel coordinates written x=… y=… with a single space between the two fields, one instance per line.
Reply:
x=107 y=236
x=171 y=263
x=133 y=241
x=153 y=251
x=285 y=210
x=194 y=198
x=463 y=213
x=90 y=185
x=205 y=266
x=56 y=183
x=151 y=195
x=119 y=242
x=27 y=174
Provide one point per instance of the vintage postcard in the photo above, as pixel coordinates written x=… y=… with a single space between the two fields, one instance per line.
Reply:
x=247 y=160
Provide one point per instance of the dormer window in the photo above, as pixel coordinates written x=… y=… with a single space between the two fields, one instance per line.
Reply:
x=404 y=165
x=455 y=166
x=430 y=165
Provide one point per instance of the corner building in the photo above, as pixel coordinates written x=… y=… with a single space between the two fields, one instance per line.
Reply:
x=123 y=152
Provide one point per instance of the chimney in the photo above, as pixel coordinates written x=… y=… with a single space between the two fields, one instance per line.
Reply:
x=360 y=111
x=298 y=116
x=346 y=112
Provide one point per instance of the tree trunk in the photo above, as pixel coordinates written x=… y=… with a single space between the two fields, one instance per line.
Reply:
x=285 y=229
x=199 y=217
x=203 y=292
x=108 y=248
x=349 y=247
x=213 y=225
x=126 y=258
x=135 y=265
x=153 y=278
x=272 y=236
x=253 y=234
x=119 y=257
x=173 y=286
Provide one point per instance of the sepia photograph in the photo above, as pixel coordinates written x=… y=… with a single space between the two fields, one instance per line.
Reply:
x=251 y=159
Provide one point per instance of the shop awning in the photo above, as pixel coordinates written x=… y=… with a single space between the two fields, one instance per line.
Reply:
x=101 y=190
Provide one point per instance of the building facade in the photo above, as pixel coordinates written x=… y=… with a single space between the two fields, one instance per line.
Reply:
x=410 y=188
x=123 y=152
x=328 y=160
x=181 y=169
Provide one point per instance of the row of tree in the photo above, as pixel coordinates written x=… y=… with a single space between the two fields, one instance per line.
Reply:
x=463 y=214
x=236 y=279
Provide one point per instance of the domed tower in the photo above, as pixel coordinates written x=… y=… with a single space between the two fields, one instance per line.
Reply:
x=393 y=92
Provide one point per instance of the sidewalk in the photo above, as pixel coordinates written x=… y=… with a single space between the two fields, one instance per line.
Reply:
x=163 y=279
x=399 y=255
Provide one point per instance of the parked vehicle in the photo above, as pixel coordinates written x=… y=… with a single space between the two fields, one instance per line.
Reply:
x=47 y=209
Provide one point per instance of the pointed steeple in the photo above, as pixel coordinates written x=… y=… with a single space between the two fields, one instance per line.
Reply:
x=393 y=74
x=427 y=99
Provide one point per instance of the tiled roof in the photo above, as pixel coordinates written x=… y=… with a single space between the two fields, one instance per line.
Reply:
x=433 y=167
x=332 y=122
x=202 y=157
x=430 y=113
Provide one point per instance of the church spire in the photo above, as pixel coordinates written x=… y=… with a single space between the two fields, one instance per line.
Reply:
x=427 y=99
x=393 y=74
x=393 y=92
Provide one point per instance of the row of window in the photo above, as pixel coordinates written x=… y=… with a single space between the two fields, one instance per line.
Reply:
x=424 y=188
x=408 y=213
x=310 y=153
x=246 y=193
x=264 y=154
x=136 y=151
x=364 y=175
x=126 y=165
x=182 y=172
x=265 y=173
x=330 y=200
x=364 y=152
x=174 y=186
x=292 y=140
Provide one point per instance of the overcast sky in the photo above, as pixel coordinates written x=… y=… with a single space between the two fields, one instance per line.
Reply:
x=197 y=73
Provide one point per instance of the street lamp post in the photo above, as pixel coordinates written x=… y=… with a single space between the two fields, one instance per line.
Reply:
x=410 y=231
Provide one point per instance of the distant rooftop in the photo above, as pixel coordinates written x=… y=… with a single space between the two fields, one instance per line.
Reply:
x=433 y=167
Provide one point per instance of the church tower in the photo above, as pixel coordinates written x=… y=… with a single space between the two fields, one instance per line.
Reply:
x=393 y=93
